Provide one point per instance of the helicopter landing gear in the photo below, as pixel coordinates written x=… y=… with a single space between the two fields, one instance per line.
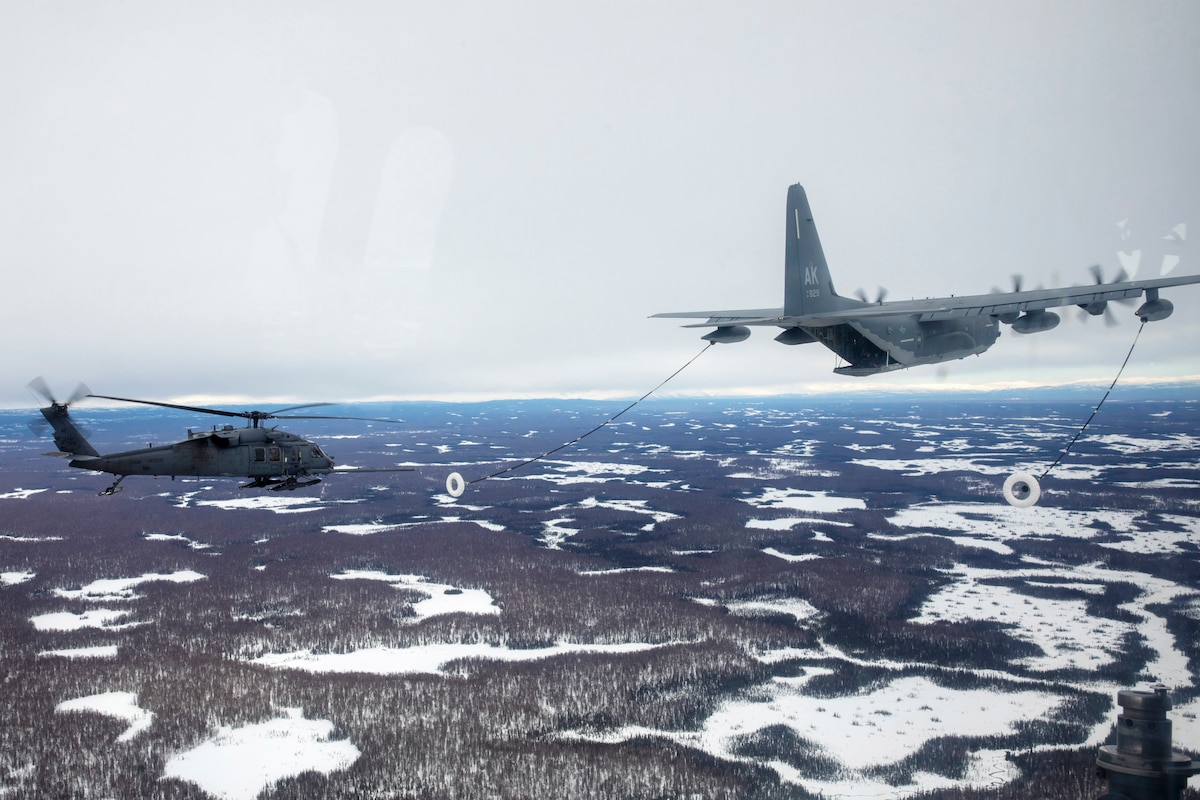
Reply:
x=116 y=487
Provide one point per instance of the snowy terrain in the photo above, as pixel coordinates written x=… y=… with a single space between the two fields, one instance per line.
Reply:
x=850 y=585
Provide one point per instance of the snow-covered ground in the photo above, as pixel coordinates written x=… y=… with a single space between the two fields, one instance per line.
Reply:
x=113 y=589
x=993 y=525
x=441 y=598
x=14 y=577
x=806 y=500
x=1063 y=630
x=176 y=537
x=103 y=618
x=1042 y=604
x=567 y=473
x=96 y=651
x=20 y=494
x=122 y=705
x=237 y=763
x=428 y=659
x=861 y=731
x=801 y=610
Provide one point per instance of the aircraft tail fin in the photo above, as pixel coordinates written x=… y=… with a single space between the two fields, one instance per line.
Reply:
x=807 y=287
x=67 y=437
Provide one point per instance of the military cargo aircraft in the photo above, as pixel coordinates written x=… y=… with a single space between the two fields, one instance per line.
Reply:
x=880 y=336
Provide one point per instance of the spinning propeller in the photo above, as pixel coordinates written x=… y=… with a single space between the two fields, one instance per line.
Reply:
x=42 y=389
x=880 y=296
x=1101 y=308
x=1012 y=316
x=254 y=416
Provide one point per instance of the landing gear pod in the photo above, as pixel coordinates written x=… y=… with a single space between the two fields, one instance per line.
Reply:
x=1022 y=490
x=455 y=485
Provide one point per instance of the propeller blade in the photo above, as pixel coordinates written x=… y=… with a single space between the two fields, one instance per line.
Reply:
x=1120 y=277
x=1098 y=275
x=42 y=389
x=81 y=391
x=880 y=295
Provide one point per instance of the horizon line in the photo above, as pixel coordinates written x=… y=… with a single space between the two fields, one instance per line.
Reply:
x=824 y=389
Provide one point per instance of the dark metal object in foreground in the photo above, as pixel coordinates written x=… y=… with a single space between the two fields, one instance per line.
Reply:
x=1142 y=765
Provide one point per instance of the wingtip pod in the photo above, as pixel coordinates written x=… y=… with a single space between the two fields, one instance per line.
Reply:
x=1155 y=308
x=455 y=485
x=728 y=334
x=1022 y=490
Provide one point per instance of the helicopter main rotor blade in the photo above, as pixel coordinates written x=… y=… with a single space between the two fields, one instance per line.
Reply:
x=175 y=405
x=297 y=408
x=251 y=415
x=317 y=416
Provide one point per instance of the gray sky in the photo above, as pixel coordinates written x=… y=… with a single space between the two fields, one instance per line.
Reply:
x=330 y=200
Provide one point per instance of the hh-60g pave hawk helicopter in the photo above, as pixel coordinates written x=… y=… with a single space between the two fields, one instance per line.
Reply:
x=270 y=458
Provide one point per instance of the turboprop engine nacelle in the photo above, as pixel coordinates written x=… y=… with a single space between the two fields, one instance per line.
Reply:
x=1036 y=322
x=728 y=334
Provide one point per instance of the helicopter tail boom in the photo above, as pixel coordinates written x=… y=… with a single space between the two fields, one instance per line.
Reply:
x=67 y=437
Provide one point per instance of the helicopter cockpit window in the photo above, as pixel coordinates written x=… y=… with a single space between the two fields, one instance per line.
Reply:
x=274 y=453
x=316 y=452
x=260 y=454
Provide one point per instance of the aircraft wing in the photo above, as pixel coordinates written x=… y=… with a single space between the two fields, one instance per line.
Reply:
x=937 y=308
x=756 y=316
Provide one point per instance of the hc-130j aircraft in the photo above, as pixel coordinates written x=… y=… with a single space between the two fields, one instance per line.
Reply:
x=268 y=457
x=885 y=336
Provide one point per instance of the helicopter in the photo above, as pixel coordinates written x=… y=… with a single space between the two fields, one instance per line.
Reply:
x=270 y=458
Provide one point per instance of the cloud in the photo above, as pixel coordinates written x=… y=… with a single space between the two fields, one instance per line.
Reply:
x=470 y=200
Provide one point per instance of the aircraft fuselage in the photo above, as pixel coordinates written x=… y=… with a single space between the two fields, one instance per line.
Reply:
x=882 y=344
x=227 y=452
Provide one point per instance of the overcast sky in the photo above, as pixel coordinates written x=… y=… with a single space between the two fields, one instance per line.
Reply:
x=331 y=200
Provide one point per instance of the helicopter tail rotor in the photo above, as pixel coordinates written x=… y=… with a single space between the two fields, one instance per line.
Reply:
x=41 y=388
x=67 y=436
